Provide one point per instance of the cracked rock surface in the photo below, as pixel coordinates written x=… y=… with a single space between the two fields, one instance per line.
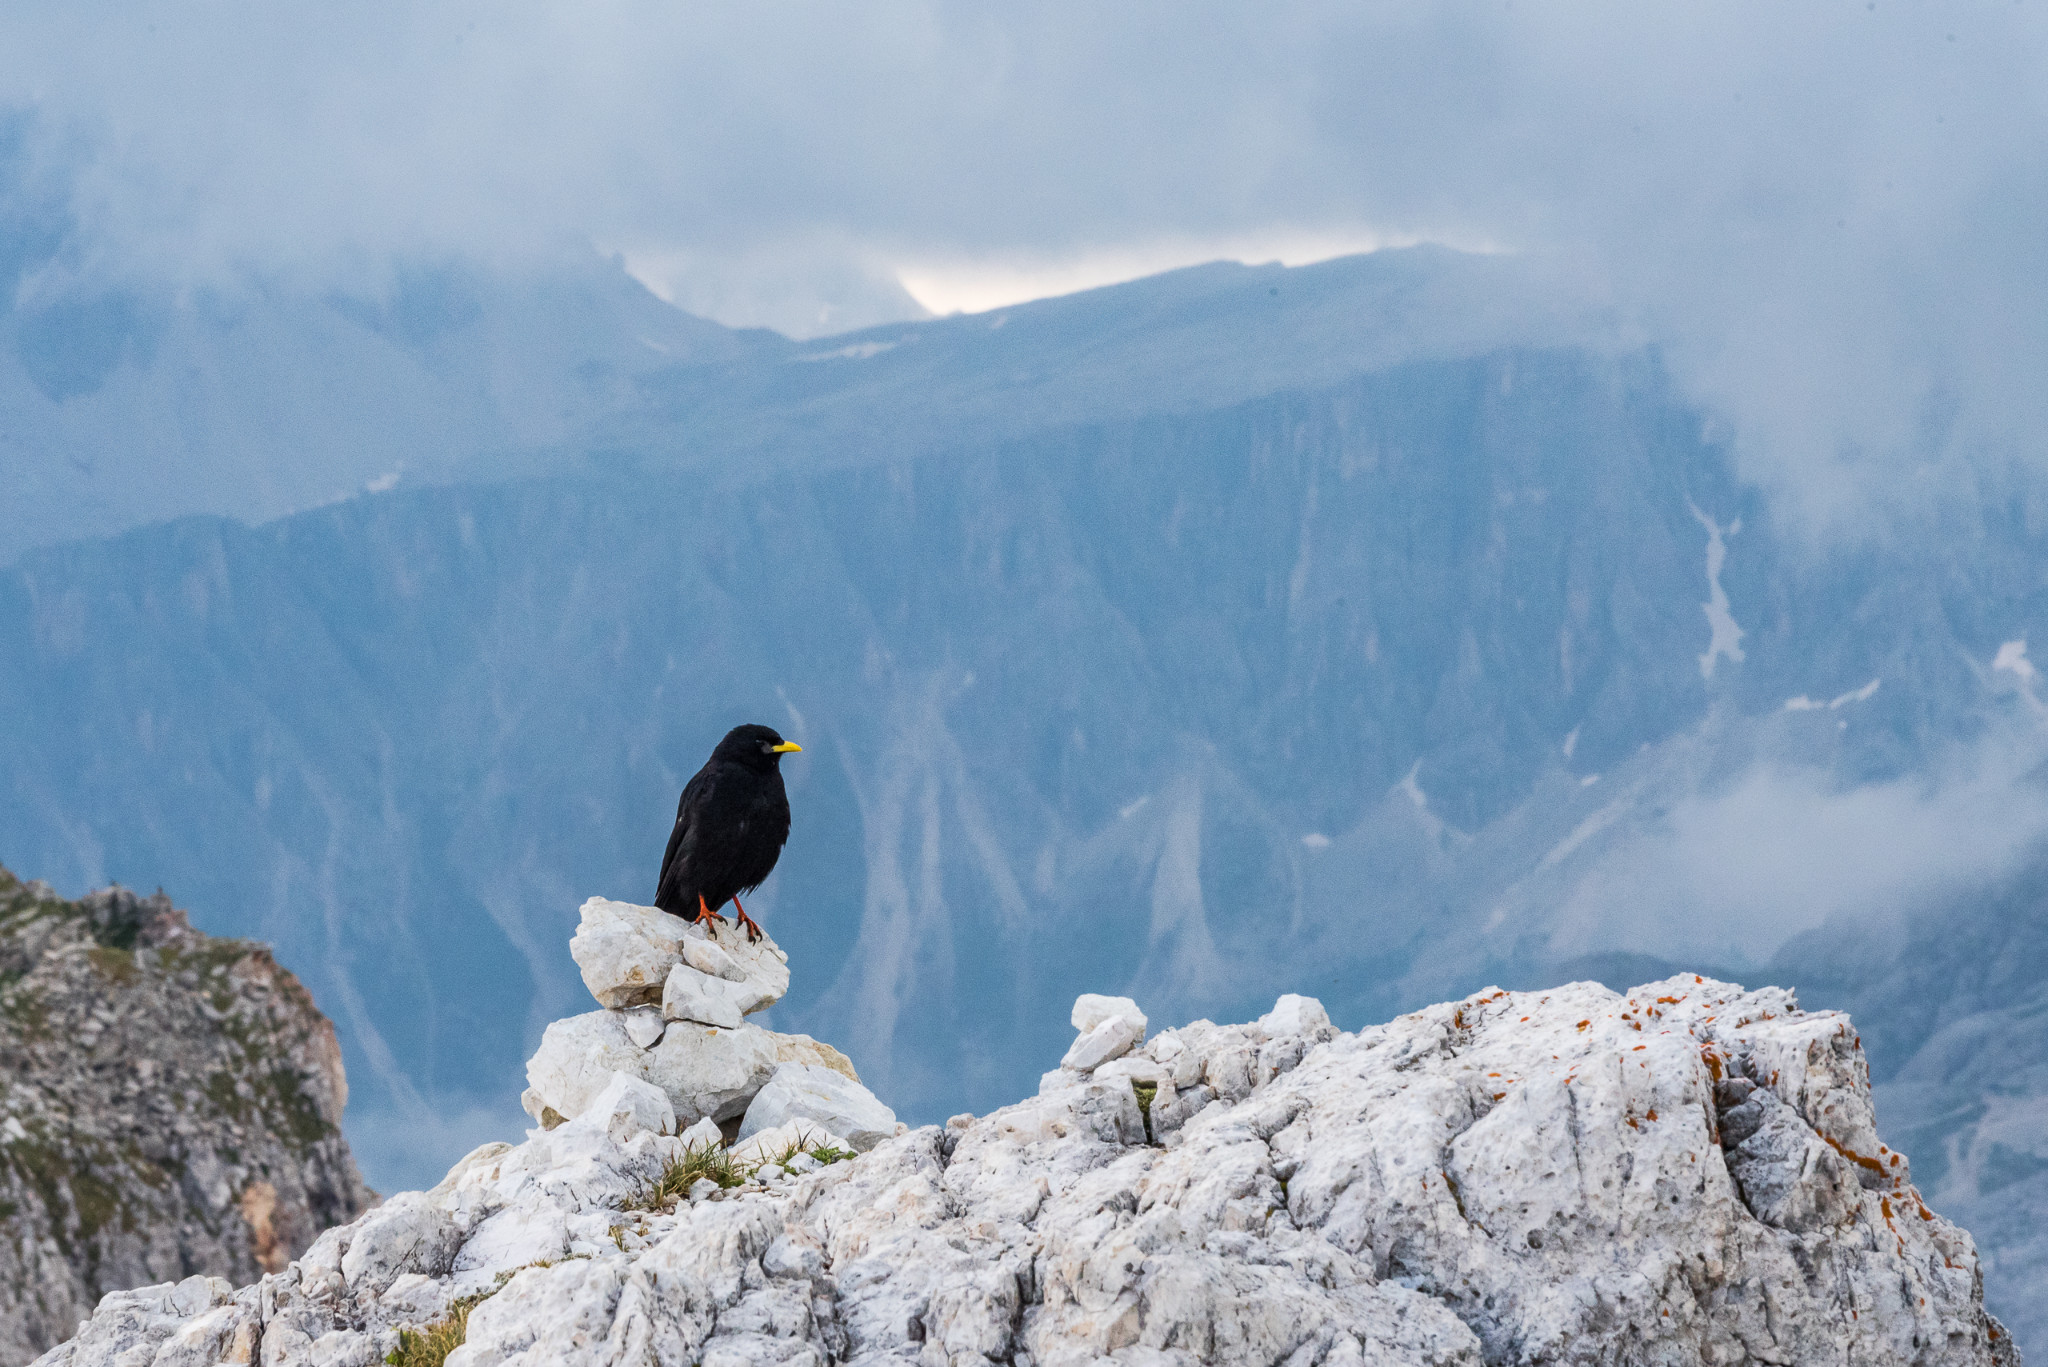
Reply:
x=1690 y=1173
x=169 y=1107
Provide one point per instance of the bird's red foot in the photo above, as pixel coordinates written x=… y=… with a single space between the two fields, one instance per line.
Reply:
x=747 y=923
x=705 y=915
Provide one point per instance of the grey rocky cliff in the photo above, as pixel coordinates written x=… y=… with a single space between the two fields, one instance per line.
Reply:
x=1690 y=1173
x=169 y=1106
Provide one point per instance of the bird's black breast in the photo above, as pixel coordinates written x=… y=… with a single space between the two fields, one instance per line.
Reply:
x=730 y=827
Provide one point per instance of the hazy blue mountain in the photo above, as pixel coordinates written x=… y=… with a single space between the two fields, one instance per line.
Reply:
x=1357 y=630
x=125 y=402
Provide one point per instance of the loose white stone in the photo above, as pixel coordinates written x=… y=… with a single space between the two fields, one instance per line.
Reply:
x=1111 y=1038
x=807 y=1094
x=644 y=1025
x=1103 y=1112
x=704 y=1072
x=704 y=955
x=705 y=1134
x=804 y=1049
x=1295 y=1015
x=1092 y=1009
x=762 y=964
x=628 y=1106
x=691 y=996
x=624 y=951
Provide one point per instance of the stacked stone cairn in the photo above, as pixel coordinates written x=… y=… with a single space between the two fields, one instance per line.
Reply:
x=675 y=998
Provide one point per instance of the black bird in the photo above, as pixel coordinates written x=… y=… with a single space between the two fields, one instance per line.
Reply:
x=730 y=825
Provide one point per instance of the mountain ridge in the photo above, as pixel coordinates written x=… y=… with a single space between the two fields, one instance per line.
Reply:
x=170 y=1105
x=1690 y=1171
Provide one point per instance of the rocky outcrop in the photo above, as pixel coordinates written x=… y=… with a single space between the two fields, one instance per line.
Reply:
x=1690 y=1173
x=696 y=1049
x=169 y=1109
x=632 y=955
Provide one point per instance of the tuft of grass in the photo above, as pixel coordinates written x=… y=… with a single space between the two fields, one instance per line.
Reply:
x=431 y=1346
x=716 y=1163
x=678 y=1175
x=818 y=1149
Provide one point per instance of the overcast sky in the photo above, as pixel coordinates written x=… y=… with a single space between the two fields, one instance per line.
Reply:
x=1829 y=213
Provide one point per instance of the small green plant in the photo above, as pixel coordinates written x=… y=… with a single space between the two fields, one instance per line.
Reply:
x=715 y=1162
x=711 y=1162
x=818 y=1149
x=1145 y=1092
x=431 y=1346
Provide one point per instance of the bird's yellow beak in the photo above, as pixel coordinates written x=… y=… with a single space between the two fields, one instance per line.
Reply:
x=788 y=747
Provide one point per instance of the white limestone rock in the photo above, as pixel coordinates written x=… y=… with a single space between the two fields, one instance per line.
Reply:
x=1109 y=1026
x=761 y=965
x=809 y=1094
x=556 y=1316
x=1111 y=1037
x=1145 y=1072
x=409 y=1233
x=1092 y=1009
x=644 y=1025
x=693 y=996
x=1058 y=1080
x=628 y=1106
x=624 y=951
x=627 y=953
x=173 y=1322
x=760 y=1146
x=1296 y=1015
x=804 y=1049
x=705 y=1134
x=703 y=1071
x=1098 y=1112
x=702 y=953
x=1687 y=1174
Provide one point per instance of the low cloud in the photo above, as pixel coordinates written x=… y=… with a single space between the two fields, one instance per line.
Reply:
x=1727 y=876
x=1826 y=215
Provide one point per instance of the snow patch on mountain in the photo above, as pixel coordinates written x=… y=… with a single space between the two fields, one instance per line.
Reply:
x=1725 y=637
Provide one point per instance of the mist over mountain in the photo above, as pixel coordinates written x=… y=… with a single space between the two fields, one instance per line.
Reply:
x=1402 y=603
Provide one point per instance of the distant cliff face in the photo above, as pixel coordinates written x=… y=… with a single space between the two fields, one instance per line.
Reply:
x=170 y=1104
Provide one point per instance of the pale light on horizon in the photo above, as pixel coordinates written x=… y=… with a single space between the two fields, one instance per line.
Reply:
x=979 y=284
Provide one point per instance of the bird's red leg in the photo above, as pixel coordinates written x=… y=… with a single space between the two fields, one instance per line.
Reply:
x=747 y=922
x=705 y=915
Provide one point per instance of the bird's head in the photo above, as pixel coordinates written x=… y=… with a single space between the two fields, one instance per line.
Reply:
x=757 y=747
